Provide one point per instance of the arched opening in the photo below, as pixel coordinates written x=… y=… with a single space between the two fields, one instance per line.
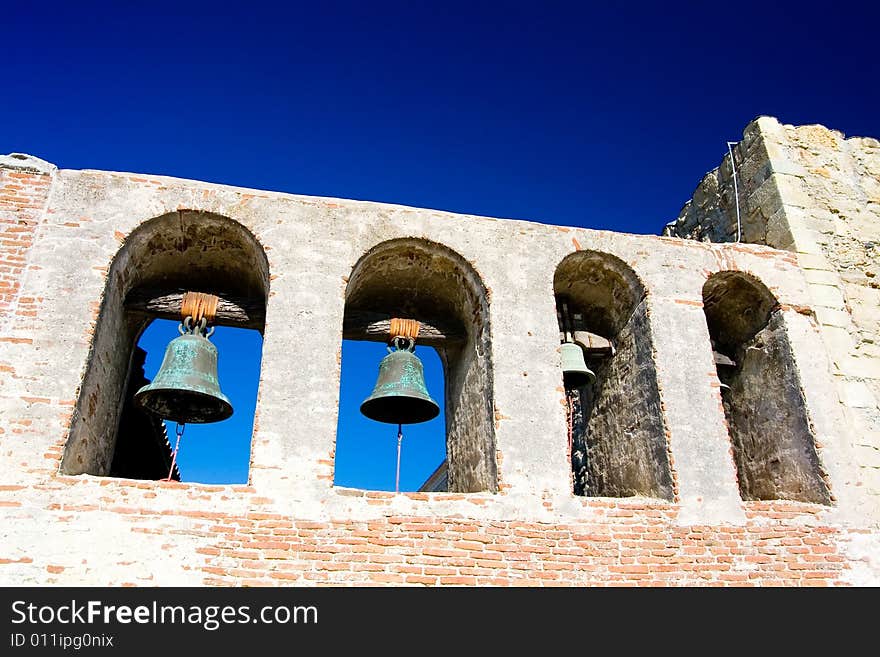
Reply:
x=618 y=439
x=366 y=450
x=421 y=280
x=773 y=442
x=158 y=261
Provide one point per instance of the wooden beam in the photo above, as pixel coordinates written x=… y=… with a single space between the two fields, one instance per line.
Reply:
x=591 y=343
x=360 y=325
x=250 y=313
x=721 y=359
x=231 y=311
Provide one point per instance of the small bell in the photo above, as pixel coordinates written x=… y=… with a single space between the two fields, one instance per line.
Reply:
x=575 y=372
x=186 y=388
x=400 y=395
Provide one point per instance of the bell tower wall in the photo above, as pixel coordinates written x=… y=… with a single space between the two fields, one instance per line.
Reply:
x=77 y=244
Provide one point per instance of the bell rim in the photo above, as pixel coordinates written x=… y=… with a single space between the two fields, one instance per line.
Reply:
x=574 y=381
x=374 y=401
x=225 y=404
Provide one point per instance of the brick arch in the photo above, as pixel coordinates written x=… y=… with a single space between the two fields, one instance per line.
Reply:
x=428 y=281
x=180 y=250
x=618 y=446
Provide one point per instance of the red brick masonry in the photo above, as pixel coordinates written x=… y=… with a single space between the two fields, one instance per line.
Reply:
x=627 y=542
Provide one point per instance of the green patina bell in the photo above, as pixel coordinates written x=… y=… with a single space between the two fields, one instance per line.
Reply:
x=186 y=389
x=575 y=372
x=400 y=395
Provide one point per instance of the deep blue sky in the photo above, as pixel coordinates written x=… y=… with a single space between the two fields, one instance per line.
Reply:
x=568 y=113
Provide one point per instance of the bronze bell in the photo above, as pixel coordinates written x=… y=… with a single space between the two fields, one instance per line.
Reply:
x=400 y=395
x=186 y=388
x=575 y=372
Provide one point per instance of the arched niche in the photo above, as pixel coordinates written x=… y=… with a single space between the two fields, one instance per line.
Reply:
x=618 y=438
x=422 y=280
x=773 y=442
x=184 y=250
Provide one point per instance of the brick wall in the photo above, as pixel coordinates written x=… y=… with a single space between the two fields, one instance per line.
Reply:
x=290 y=525
x=626 y=542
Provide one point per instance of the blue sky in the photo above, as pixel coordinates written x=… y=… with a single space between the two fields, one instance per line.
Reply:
x=586 y=114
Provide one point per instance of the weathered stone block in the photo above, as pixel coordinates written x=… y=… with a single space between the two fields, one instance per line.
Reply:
x=838 y=340
x=860 y=367
x=822 y=277
x=832 y=317
x=791 y=191
x=828 y=296
x=858 y=395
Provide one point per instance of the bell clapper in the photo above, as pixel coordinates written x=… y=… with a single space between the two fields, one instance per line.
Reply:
x=399 y=442
x=569 y=421
x=179 y=431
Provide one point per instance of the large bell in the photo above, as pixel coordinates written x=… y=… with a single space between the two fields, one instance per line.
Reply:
x=400 y=395
x=575 y=372
x=186 y=389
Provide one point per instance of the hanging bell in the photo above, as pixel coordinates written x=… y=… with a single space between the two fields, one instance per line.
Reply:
x=400 y=395
x=186 y=389
x=575 y=372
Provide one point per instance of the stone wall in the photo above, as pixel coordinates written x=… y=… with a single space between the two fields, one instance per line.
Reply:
x=810 y=190
x=289 y=524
